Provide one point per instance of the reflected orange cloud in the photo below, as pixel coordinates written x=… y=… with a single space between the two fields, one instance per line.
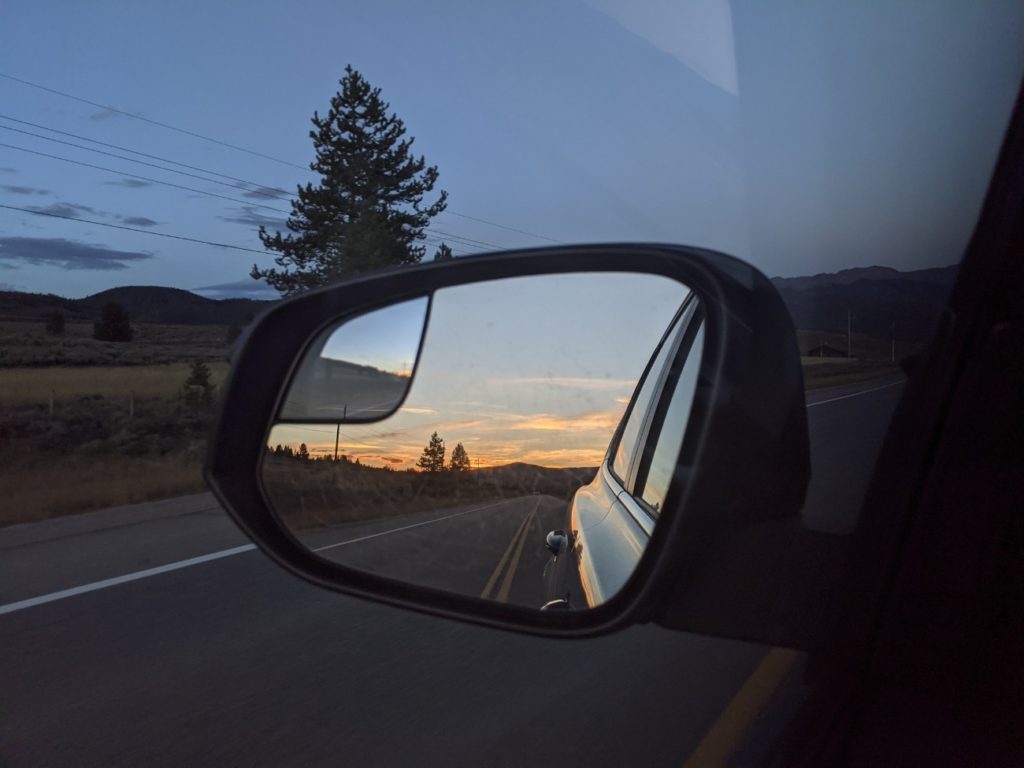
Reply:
x=548 y=422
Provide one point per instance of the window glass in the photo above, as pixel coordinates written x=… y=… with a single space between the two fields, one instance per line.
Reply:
x=633 y=430
x=673 y=427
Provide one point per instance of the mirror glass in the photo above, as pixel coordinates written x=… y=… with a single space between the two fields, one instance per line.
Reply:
x=499 y=475
x=360 y=369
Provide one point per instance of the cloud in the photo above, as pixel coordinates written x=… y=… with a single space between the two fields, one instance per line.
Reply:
x=11 y=287
x=265 y=193
x=17 y=190
x=252 y=218
x=550 y=423
x=66 y=209
x=7 y=169
x=66 y=254
x=104 y=114
x=130 y=183
x=138 y=221
x=576 y=383
x=240 y=289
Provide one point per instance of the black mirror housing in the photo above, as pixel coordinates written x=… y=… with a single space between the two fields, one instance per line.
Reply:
x=743 y=468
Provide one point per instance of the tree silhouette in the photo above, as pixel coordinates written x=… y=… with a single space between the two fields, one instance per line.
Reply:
x=459 y=460
x=443 y=253
x=367 y=210
x=432 y=459
x=303 y=452
x=114 y=324
x=55 y=323
x=198 y=387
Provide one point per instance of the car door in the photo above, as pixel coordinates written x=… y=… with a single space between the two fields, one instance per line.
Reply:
x=612 y=518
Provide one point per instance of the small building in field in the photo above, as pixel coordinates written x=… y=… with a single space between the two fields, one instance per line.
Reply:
x=825 y=350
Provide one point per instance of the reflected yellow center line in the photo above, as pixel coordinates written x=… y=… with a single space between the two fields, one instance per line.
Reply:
x=510 y=574
x=726 y=735
x=520 y=533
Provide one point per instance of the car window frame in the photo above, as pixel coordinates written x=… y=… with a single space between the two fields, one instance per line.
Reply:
x=675 y=333
x=660 y=408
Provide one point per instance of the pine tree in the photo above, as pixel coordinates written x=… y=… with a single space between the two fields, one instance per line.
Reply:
x=432 y=459
x=460 y=459
x=303 y=452
x=367 y=210
x=443 y=253
x=55 y=323
x=114 y=324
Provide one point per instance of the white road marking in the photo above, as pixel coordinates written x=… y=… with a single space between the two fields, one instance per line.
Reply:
x=857 y=394
x=42 y=599
x=128 y=577
x=414 y=525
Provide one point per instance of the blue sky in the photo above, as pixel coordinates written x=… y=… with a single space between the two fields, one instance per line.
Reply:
x=800 y=137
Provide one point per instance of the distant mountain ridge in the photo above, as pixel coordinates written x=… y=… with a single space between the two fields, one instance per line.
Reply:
x=878 y=299
x=145 y=304
x=881 y=301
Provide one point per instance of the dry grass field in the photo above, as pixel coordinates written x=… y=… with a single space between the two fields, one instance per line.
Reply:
x=23 y=385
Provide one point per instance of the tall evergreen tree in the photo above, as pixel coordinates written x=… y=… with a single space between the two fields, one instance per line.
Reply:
x=367 y=210
x=55 y=323
x=460 y=459
x=114 y=324
x=432 y=459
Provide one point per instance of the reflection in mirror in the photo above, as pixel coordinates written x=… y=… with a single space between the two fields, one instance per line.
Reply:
x=358 y=370
x=491 y=479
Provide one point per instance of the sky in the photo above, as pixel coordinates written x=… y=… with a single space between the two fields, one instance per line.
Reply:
x=801 y=137
x=516 y=370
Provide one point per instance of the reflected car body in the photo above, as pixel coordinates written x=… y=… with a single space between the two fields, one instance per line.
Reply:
x=611 y=519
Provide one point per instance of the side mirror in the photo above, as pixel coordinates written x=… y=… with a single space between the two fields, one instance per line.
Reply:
x=410 y=437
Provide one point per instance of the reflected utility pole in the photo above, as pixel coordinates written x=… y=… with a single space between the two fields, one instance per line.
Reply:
x=337 y=436
x=849 y=343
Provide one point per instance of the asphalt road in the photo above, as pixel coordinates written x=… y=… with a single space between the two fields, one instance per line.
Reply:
x=491 y=549
x=157 y=636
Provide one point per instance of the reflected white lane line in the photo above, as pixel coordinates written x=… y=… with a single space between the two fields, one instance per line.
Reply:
x=414 y=525
x=129 y=577
x=858 y=394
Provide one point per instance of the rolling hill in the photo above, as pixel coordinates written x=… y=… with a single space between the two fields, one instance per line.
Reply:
x=145 y=304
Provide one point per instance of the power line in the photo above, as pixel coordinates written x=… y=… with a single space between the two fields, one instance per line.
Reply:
x=168 y=126
x=502 y=226
x=456 y=238
x=133 y=229
x=144 y=178
x=129 y=159
x=261 y=187
x=467 y=241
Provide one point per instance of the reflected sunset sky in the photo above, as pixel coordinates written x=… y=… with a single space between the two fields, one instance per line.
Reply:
x=536 y=369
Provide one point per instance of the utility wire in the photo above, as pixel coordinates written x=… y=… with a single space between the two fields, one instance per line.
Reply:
x=133 y=229
x=466 y=241
x=144 y=178
x=238 y=148
x=168 y=126
x=133 y=160
x=261 y=187
x=502 y=226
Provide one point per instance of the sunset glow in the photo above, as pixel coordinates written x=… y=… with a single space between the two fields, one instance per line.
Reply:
x=536 y=370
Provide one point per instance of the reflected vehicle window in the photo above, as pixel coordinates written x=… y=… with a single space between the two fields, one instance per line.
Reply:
x=629 y=444
x=672 y=427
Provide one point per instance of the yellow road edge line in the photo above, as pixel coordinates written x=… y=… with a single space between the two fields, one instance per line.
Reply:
x=510 y=574
x=504 y=558
x=726 y=735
